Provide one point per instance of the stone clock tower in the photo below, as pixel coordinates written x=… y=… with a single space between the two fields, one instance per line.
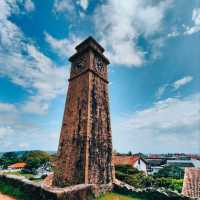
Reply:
x=85 y=146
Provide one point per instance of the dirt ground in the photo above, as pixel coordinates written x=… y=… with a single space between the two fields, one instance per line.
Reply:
x=5 y=197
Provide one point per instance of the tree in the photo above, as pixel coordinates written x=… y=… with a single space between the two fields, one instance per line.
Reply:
x=9 y=158
x=171 y=171
x=130 y=153
x=36 y=159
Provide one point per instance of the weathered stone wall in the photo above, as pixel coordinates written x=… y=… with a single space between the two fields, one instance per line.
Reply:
x=100 y=141
x=71 y=161
x=191 y=183
x=41 y=192
x=151 y=193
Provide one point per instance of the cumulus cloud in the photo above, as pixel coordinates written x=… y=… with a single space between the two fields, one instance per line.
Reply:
x=29 y=5
x=5 y=131
x=181 y=82
x=161 y=91
x=189 y=30
x=69 y=5
x=173 y=86
x=63 y=47
x=196 y=20
x=120 y=23
x=169 y=125
x=64 y=5
x=26 y=66
x=5 y=107
x=84 y=4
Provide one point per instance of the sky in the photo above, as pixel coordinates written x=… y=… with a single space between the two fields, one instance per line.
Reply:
x=154 y=75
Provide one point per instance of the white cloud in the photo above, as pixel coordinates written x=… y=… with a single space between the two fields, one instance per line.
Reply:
x=29 y=5
x=70 y=5
x=26 y=66
x=84 y=4
x=5 y=107
x=173 y=86
x=189 y=30
x=196 y=19
x=181 y=82
x=161 y=91
x=169 y=125
x=64 y=5
x=173 y=34
x=24 y=145
x=120 y=23
x=5 y=131
x=63 y=47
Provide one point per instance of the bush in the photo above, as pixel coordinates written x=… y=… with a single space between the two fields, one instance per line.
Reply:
x=176 y=185
x=170 y=171
x=36 y=159
x=9 y=158
x=139 y=180
x=12 y=191
x=126 y=169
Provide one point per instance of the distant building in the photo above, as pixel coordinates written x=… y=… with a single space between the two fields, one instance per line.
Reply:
x=134 y=161
x=17 y=166
x=191 y=183
x=155 y=164
x=196 y=162
x=181 y=163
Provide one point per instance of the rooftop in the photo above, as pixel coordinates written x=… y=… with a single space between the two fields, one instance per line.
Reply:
x=125 y=160
x=90 y=41
x=17 y=166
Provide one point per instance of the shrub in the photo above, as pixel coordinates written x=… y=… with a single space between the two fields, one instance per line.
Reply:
x=126 y=169
x=170 y=171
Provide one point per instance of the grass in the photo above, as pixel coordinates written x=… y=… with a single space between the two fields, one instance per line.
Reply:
x=12 y=191
x=19 y=195
x=115 y=196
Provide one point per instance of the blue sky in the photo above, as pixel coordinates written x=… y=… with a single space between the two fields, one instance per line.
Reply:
x=154 y=73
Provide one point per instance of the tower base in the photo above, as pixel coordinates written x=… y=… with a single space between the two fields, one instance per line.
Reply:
x=89 y=191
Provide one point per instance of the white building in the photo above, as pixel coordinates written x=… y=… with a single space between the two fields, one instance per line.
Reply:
x=134 y=161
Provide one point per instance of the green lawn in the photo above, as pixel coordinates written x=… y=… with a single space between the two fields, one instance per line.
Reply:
x=115 y=196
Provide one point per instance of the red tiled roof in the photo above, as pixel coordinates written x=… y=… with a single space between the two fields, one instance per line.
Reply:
x=125 y=160
x=17 y=166
x=191 y=183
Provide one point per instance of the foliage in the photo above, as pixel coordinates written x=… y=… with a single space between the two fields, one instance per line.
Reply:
x=130 y=153
x=139 y=180
x=170 y=171
x=12 y=191
x=115 y=196
x=36 y=159
x=9 y=158
x=126 y=169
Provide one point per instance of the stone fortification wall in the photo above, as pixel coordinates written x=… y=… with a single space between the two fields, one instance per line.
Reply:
x=41 y=192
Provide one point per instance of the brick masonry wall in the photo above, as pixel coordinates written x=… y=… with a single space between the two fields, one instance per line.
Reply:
x=191 y=183
x=100 y=141
x=85 y=146
x=70 y=161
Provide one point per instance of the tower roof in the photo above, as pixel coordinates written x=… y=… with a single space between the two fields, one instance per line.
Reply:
x=89 y=42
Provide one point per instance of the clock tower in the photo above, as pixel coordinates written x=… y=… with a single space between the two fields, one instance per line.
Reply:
x=85 y=146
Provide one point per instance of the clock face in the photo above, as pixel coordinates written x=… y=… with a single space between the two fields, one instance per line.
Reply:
x=99 y=64
x=79 y=65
